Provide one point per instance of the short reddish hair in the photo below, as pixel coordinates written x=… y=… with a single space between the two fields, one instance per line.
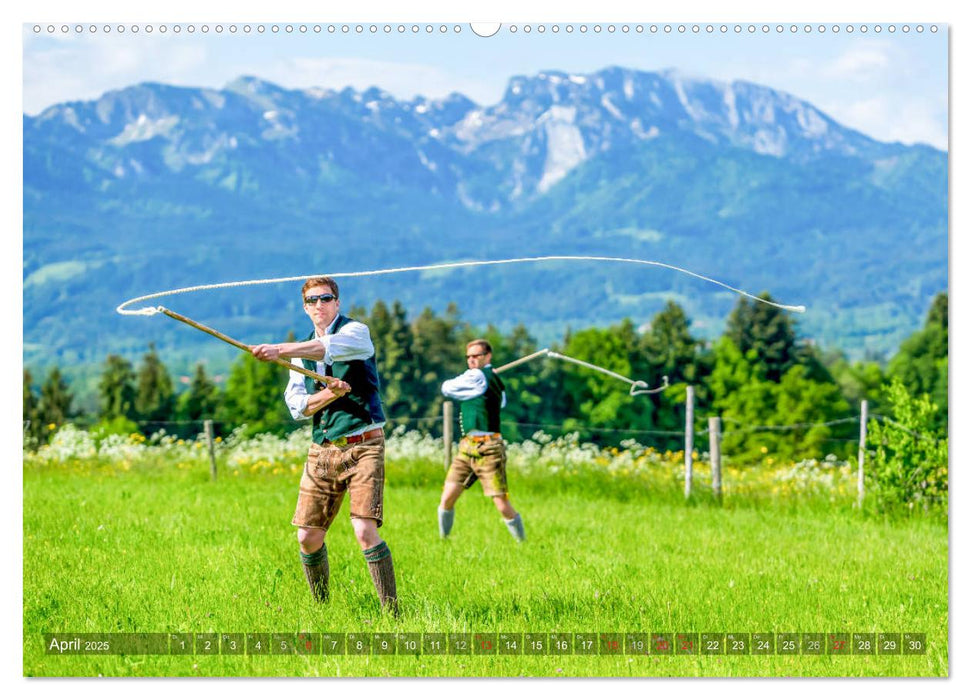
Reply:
x=321 y=282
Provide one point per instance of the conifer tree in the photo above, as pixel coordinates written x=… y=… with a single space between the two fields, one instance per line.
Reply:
x=155 y=396
x=766 y=330
x=31 y=415
x=254 y=397
x=667 y=349
x=392 y=338
x=438 y=352
x=54 y=407
x=201 y=400
x=116 y=389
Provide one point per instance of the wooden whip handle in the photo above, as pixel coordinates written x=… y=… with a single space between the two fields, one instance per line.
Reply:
x=327 y=381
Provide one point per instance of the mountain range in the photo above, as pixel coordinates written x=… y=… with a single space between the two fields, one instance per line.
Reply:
x=155 y=187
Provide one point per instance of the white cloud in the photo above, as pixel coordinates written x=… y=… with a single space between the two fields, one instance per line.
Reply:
x=84 y=68
x=403 y=80
x=858 y=63
x=893 y=120
x=877 y=88
x=880 y=88
x=81 y=69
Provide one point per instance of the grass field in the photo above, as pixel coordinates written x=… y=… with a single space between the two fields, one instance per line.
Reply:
x=151 y=544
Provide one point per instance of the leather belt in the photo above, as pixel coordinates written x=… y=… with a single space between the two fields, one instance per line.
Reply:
x=482 y=438
x=351 y=439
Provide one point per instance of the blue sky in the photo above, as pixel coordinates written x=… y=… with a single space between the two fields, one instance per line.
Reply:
x=891 y=86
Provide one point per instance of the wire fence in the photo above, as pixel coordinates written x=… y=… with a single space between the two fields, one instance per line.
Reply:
x=582 y=427
x=206 y=429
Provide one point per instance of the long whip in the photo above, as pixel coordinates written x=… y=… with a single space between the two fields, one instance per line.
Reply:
x=637 y=387
x=150 y=310
x=246 y=348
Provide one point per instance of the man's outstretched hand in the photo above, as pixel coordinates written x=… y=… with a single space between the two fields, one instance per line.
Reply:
x=274 y=352
x=266 y=352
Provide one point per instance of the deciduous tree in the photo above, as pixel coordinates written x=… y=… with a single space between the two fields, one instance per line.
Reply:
x=921 y=362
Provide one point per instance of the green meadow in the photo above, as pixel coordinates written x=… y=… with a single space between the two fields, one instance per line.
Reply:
x=149 y=543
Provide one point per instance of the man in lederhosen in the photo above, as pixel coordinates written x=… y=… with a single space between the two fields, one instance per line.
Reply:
x=482 y=453
x=347 y=453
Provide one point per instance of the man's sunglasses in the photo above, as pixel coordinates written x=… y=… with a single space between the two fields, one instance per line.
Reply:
x=481 y=354
x=314 y=298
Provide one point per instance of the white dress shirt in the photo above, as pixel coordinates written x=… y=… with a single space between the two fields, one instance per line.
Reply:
x=468 y=385
x=351 y=342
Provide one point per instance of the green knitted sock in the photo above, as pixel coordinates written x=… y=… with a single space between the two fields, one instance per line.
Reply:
x=381 y=568
x=317 y=570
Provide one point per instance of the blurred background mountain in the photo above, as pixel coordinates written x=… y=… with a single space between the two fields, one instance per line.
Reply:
x=155 y=187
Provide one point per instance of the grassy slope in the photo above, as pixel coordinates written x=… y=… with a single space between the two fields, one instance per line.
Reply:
x=166 y=550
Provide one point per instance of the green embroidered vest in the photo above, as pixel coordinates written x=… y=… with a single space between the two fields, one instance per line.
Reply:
x=482 y=412
x=358 y=408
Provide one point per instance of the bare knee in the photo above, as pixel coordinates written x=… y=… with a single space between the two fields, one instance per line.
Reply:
x=366 y=532
x=310 y=539
x=450 y=494
x=504 y=507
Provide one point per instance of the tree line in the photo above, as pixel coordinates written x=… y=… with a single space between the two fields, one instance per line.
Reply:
x=758 y=373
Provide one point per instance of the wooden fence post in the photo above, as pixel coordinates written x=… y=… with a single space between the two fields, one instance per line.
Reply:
x=212 y=449
x=715 y=453
x=689 y=438
x=861 y=455
x=447 y=422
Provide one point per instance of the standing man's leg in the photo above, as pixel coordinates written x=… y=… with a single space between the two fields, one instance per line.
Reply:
x=513 y=520
x=318 y=502
x=365 y=466
x=313 y=554
x=494 y=484
x=446 y=509
x=458 y=472
x=379 y=562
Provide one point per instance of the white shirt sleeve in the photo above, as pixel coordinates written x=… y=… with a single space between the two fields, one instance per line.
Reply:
x=351 y=342
x=296 y=394
x=467 y=385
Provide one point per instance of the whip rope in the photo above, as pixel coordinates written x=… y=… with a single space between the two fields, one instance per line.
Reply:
x=152 y=310
x=637 y=387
